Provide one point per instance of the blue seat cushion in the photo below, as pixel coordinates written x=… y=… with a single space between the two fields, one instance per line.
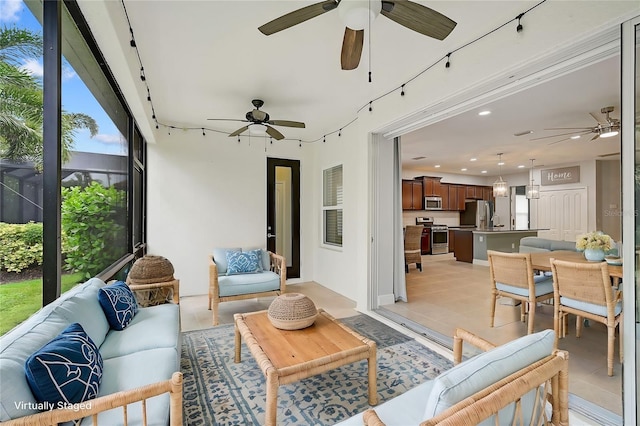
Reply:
x=68 y=369
x=152 y=327
x=235 y=285
x=563 y=245
x=593 y=308
x=544 y=285
x=477 y=373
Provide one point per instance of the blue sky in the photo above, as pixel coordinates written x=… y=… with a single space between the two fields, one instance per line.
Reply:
x=75 y=96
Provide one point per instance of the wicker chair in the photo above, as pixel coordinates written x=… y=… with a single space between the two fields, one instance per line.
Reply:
x=412 y=242
x=584 y=289
x=512 y=276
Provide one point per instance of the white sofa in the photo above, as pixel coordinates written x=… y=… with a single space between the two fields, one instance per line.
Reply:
x=504 y=381
x=140 y=361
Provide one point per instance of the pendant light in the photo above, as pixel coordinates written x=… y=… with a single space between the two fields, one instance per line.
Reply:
x=500 y=188
x=532 y=191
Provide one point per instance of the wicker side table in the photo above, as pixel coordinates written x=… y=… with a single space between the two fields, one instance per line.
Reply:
x=152 y=281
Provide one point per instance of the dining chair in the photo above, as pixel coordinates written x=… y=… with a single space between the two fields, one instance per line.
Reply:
x=412 y=243
x=584 y=290
x=512 y=276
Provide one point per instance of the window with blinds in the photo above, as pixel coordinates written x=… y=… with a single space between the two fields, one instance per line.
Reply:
x=332 y=206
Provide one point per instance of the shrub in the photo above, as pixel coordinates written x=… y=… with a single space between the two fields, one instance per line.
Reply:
x=94 y=223
x=20 y=246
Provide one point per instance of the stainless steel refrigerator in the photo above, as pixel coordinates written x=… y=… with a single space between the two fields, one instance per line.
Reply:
x=479 y=213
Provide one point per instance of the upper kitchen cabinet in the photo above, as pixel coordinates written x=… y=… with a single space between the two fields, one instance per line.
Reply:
x=412 y=195
x=487 y=193
x=431 y=186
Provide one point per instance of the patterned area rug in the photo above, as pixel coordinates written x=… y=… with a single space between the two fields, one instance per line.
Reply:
x=219 y=392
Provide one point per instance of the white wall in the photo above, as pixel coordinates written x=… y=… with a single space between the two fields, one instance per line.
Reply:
x=207 y=192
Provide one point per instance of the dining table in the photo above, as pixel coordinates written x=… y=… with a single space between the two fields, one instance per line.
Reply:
x=541 y=261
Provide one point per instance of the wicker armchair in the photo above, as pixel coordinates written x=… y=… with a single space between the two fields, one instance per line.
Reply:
x=584 y=289
x=512 y=276
x=271 y=282
x=412 y=242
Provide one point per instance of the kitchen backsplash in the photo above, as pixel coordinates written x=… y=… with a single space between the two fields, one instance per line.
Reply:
x=440 y=218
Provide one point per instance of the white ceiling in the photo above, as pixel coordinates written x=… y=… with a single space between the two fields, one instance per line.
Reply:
x=563 y=102
x=207 y=59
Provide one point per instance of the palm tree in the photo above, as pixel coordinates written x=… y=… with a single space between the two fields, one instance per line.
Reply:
x=22 y=102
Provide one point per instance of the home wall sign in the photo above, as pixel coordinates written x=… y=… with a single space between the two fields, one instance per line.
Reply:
x=560 y=176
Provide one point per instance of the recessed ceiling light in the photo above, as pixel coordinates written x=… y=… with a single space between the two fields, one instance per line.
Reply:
x=474 y=159
x=501 y=163
x=575 y=137
x=484 y=171
x=418 y=158
x=437 y=166
x=521 y=166
x=464 y=169
x=485 y=112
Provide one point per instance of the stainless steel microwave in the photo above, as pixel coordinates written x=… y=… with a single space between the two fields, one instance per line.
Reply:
x=433 y=203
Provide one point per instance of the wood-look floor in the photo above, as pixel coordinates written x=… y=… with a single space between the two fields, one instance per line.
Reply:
x=449 y=294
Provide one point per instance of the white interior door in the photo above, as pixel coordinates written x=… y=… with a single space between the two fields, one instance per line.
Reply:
x=563 y=213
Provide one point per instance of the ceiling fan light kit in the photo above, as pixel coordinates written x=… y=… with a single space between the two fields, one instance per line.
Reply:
x=258 y=129
x=356 y=14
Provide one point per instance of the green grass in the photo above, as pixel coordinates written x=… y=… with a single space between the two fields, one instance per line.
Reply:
x=19 y=300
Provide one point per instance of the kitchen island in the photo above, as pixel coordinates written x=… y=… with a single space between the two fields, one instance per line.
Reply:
x=498 y=239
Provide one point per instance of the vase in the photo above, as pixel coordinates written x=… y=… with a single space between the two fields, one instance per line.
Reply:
x=594 y=255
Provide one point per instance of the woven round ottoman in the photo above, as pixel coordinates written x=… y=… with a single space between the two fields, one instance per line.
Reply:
x=292 y=311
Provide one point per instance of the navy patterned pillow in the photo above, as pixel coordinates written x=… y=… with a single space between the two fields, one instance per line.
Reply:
x=118 y=303
x=68 y=369
x=243 y=262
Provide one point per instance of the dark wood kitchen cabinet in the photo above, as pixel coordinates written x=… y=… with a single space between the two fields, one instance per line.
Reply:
x=431 y=186
x=462 y=196
x=412 y=197
x=487 y=193
x=463 y=245
x=452 y=240
x=425 y=242
x=444 y=194
x=471 y=193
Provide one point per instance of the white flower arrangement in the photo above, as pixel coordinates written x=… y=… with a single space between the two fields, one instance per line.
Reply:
x=594 y=240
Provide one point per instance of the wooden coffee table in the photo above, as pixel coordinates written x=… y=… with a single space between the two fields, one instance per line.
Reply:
x=285 y=356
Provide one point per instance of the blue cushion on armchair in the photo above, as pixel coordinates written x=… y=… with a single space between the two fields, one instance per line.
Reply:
x=243 y=263
x=220 y=258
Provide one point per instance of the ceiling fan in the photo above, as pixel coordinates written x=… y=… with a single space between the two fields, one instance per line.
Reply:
x=605 y=128
x=259 y=122
x=357 y=13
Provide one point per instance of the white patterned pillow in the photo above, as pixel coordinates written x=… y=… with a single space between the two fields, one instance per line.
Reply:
x=243 y=262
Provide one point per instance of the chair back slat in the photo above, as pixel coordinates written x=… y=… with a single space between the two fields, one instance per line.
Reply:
x=511 y=268
x=586 y=282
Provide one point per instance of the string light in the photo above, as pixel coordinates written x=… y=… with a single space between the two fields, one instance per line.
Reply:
x=143 y=78
x=519 y=27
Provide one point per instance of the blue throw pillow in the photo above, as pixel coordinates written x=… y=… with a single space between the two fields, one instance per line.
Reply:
x=68 y=369
x=242 y=263
x=118 y=304
x=258 y=253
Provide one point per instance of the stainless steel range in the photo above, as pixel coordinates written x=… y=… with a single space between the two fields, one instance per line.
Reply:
x=439 y=239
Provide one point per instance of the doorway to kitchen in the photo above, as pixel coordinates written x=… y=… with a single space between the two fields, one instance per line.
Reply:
x=283 y=211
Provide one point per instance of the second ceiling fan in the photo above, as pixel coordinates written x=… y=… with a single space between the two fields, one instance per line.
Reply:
x=357 y=13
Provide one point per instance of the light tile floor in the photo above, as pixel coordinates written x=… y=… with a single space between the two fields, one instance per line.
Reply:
x=195 y=315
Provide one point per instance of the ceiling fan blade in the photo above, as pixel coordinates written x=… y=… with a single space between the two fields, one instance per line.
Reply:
x=569 y=128
x=287 y=123
x=297 y=16
x=562 y=134
x=595 y=137
x=274 y=133
x=227 y=119
x=418 y=18
x=240 y=130
x=351 y=48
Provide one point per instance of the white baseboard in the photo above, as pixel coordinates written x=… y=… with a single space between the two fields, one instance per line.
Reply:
x=386 y=299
